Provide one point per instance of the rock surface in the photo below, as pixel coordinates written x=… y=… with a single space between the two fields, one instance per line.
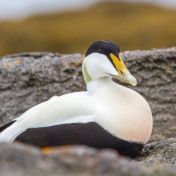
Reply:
x=35 y=77
x=20 y=160
x=28 y=79
x=162 y=153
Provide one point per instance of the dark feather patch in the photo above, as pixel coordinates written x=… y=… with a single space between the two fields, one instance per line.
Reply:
x=104 y=47
x=90 y=134
x=6 y=126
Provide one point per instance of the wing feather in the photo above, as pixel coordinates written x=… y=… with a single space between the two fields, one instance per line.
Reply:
x=69 y=108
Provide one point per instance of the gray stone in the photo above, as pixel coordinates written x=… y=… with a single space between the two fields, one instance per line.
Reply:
x=19 y=160
x=162 y=153
x=30 y=78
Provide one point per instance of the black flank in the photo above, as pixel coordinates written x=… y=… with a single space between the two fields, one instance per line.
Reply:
x=90 y=134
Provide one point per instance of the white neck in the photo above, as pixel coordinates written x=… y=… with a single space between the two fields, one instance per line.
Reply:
x=94 y=85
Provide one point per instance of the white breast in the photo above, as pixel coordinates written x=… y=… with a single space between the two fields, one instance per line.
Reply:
x=128 y=114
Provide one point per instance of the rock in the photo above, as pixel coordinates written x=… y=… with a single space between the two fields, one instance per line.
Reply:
x=34 y=78
x=30 y=78
x=18 y=160
x=160 y=154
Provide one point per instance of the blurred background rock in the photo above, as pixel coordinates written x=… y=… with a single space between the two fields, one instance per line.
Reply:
x=71 y=25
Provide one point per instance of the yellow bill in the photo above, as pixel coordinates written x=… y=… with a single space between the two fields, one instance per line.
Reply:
x=124 y=74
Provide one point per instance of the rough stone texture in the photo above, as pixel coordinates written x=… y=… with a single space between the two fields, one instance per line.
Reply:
x=30 y=78
x=20 y=160
x=162 y=153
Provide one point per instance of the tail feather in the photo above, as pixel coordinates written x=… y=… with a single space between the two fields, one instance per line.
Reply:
x=2 y=128
x=11 y=132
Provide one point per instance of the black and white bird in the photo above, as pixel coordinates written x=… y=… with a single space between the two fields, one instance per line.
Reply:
x=107 y=115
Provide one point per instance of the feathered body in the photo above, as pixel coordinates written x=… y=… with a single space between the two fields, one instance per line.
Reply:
x=107 y=115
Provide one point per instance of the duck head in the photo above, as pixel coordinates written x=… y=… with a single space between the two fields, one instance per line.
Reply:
x=104 y=59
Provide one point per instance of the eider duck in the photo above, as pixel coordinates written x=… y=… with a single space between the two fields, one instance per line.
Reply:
x=107 y=115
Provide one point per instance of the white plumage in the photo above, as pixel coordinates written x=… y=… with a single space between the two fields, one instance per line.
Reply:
x=119 y=110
